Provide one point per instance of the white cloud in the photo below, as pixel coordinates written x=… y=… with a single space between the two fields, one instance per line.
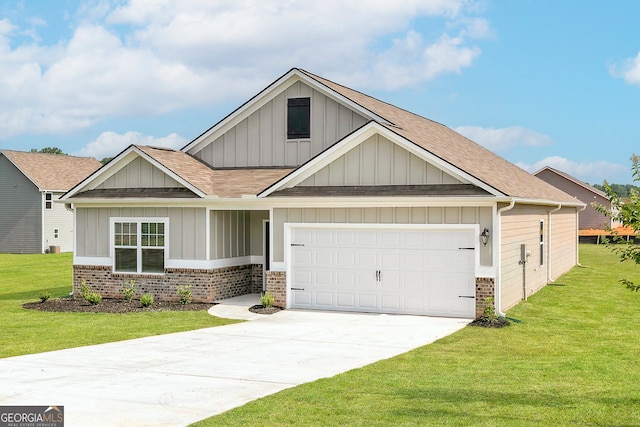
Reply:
x=146 y=58
x=591 y=172
x=629 y=70
x=504 y=138
x=108 y=144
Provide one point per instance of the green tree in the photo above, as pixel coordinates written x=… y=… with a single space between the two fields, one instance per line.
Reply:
x=627 y=214
x=49 y=150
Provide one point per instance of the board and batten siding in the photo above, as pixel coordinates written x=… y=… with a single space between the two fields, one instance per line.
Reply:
x=20 y=211
x=61 y=219
x=187 y=237
x=139 y=173
x=378 y=161
x=260 y=140
x=521 y=225
x=391 y=215
x=236 y=233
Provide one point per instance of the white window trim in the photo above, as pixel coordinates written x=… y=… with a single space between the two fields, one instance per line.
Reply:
x=138 y=220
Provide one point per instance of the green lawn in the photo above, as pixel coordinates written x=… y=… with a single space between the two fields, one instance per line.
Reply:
x=572 y=361
x=31 y=331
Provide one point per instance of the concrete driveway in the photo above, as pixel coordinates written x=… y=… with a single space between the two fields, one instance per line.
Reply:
x=177 y=379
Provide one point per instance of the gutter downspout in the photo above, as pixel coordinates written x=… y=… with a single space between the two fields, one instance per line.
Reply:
x=578 y=235
x=498 y=291
x=549 y=278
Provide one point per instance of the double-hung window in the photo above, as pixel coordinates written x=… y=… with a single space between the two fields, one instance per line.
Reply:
x=48 y=199
x=139 y=245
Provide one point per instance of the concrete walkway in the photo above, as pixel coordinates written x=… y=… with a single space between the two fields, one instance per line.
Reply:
x=177 y=379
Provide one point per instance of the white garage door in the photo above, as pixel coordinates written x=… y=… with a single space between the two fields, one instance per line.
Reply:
x=408 y=271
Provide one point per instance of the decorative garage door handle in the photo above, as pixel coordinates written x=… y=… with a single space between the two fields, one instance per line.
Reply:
x=468 y=249
x=466 y=296
x=297 y=244
x=297 y=289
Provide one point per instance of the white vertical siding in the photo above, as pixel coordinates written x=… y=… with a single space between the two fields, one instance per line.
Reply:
x=378 y=161
x=139 y=174
x=261 y=139
x=186 y=230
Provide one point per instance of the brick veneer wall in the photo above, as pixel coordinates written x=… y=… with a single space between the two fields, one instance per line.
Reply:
x=207 y=285
x=277 y=286
x=485 y=288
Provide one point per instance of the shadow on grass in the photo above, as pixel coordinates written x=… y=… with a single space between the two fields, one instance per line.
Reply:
x=506 y=406
x=28 y=296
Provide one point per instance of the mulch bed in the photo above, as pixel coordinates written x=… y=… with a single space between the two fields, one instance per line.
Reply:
x=78 y=305
x=486 y=323
x=261 y=309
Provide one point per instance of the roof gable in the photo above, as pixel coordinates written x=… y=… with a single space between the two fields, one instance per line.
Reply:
x=52 y=172
x=268 y=95
x=565 y=176
x=367 y=141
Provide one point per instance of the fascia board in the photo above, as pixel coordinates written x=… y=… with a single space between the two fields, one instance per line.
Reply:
x=267 y=95
x=356 y=138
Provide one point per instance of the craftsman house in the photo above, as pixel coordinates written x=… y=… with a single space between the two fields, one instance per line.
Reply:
x=30 y=183
x=329 y=199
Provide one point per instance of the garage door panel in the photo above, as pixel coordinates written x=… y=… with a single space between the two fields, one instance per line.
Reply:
x=393 y=271
x=367 y=301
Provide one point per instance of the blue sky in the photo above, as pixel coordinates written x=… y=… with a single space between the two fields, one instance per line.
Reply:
x=538 y=82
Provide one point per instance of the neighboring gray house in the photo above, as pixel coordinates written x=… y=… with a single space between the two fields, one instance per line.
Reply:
x=30 y=183
x=329 y=199
x=590 y=218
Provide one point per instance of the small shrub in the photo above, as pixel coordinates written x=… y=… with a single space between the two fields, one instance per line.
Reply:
x=146 y=300
x=94 y=298
x=185 y=294
x=44 y=295
x=129 y=290
x=85 y=290
x=489 y=313
x=267 y=299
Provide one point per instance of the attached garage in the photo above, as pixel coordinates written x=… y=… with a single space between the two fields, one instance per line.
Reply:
x=382 y=269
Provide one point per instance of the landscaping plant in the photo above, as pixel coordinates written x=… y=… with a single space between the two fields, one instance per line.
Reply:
x=146 y=300
x=44 y=295
x=128 y=291
x=267 y=299
x=185 y=294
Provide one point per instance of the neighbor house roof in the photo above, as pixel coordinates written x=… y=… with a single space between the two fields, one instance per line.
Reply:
x=52 y=171
x=454 y=148
x=574 y=180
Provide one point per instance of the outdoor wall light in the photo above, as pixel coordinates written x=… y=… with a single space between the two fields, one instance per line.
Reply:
x=484 y=236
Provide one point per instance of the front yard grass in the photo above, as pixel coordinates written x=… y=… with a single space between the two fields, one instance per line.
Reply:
x=22 y=277
x=572 y=361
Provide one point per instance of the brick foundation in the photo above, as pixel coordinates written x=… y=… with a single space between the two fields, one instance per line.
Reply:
x=277 y=286
x=207 y=285
x=485 y=288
